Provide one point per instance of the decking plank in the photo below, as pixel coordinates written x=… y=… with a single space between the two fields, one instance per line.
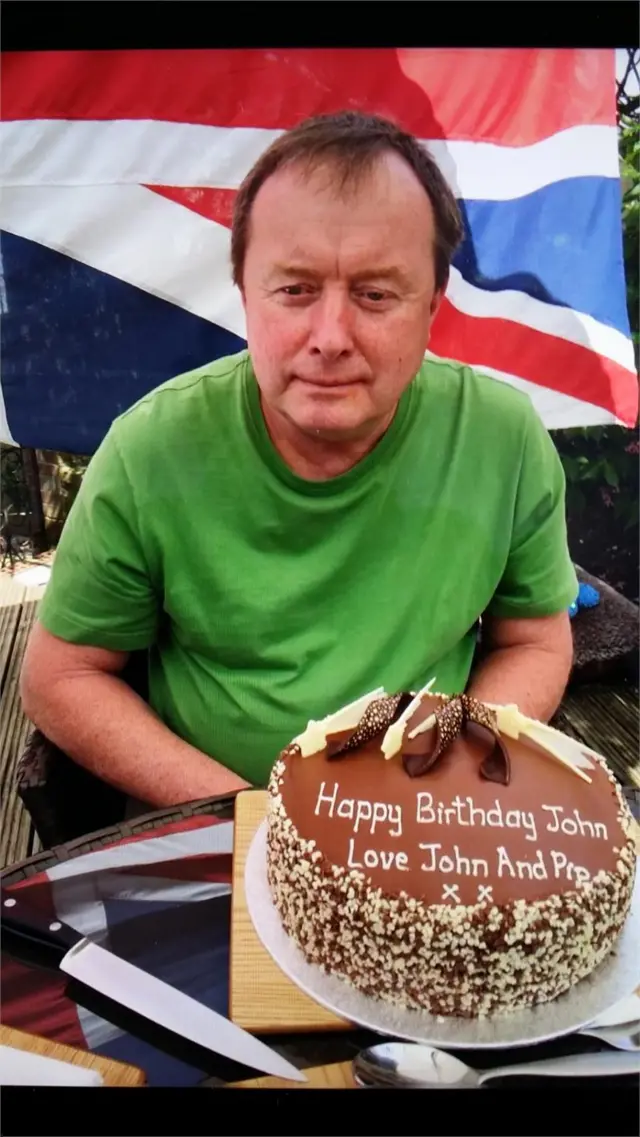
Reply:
x=11 y=597
x=16 y=836
x=606 y=718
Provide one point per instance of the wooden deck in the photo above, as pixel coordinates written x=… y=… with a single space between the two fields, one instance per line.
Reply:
x=18 y=606
x=603 y=716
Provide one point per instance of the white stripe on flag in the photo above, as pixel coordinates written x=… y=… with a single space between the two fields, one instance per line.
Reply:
x=159 y=889
x=97 y=1031
x=136 y=236
x=552 y=319
x=79 y=901
x=215 y=838
x=55 y=152
x=5 y=433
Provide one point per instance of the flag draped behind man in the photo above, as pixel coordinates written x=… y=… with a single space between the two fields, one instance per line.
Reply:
x=119 y=170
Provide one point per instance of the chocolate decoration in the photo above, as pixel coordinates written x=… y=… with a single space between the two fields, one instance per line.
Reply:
x=452 y=720
x=377 y=718
x=496 y=767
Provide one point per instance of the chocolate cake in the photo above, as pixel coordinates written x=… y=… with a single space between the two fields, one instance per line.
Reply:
x=444 y=854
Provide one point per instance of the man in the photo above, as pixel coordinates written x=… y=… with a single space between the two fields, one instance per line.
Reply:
x=293 y=526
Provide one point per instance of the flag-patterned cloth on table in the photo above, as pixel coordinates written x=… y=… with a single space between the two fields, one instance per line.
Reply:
x=161 y=902
x=119 y=170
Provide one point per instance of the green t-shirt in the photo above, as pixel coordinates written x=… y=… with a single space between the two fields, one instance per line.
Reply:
x=267 y=599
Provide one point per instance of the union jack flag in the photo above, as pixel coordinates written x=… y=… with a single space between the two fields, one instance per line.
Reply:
x=119 y=170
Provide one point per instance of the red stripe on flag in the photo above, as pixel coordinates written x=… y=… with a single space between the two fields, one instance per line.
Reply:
x=33 y=999
x=537 y=357
x=509 y=96
x=214 y=204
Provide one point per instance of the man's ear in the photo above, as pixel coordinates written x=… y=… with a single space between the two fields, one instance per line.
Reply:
x=437 y=298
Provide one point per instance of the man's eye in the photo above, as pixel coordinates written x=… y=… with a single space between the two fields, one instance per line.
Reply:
x=296 y=289
x=375 y=295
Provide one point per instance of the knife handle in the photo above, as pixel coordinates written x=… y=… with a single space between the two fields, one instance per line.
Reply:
x=23 y=919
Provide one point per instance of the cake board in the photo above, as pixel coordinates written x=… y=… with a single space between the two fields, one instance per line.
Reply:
x=261 y=997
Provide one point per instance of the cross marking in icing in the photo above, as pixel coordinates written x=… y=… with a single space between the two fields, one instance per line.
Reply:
x=485 y=892
x=451 y=892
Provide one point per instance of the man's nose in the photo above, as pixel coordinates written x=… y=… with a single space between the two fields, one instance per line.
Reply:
x=331 y=326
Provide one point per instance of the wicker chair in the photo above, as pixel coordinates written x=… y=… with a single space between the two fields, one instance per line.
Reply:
x=63 y=799
x=66 y=802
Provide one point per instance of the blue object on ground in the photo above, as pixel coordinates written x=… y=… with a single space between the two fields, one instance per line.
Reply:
x=588 y=597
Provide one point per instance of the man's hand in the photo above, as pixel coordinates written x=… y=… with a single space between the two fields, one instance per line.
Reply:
x=527 y=662
x=75 y=695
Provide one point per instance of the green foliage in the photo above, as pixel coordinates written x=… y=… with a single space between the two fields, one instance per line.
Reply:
x=601 y=469
x=629 y=167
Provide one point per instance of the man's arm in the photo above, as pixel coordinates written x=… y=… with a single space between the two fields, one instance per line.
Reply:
x=528 y=662
x=75 y=696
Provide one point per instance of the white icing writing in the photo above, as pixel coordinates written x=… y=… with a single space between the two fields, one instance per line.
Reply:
x=463 y=866
x=574 y=824
x=562 y=864
x=537 y=869
x=521 y=870
x=368 y=814
x=377 y=858
x=368 y=817
x=464 y=812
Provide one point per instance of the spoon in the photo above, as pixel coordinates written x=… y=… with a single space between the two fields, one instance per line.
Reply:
x=403 y=1065
x=626 y=1036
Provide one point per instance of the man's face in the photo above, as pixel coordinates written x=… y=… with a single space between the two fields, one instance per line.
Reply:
x=339 y=294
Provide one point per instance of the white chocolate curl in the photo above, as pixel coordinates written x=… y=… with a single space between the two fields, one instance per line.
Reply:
x=314 y=738
x=392 y=741
x=512 y=723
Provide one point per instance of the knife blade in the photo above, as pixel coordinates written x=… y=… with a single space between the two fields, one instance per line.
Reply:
x=139 y=991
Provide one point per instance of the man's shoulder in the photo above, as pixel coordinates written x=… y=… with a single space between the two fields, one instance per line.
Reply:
x=471 y=391
x=186 y=398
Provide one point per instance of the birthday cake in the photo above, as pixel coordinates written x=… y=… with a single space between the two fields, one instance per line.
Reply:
x=439 y=853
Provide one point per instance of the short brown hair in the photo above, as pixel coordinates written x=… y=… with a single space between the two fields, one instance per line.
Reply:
x=350 y=142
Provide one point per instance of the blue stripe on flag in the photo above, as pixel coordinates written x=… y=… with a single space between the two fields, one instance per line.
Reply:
x=80 y=346
x=561 y=244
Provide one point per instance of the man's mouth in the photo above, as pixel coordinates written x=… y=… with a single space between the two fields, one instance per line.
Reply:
x=329 y=384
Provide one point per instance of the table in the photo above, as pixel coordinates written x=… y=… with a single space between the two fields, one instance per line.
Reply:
x=159 y=889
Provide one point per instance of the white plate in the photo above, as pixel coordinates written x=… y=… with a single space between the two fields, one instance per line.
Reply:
x=615 y=979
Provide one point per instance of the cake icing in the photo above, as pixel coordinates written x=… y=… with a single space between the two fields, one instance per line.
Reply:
x=440 y=853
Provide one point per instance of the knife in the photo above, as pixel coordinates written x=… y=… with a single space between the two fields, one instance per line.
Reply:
x=134 y=988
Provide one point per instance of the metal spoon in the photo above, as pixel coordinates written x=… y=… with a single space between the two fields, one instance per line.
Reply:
x=626 y=1036
x=405 y=1065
